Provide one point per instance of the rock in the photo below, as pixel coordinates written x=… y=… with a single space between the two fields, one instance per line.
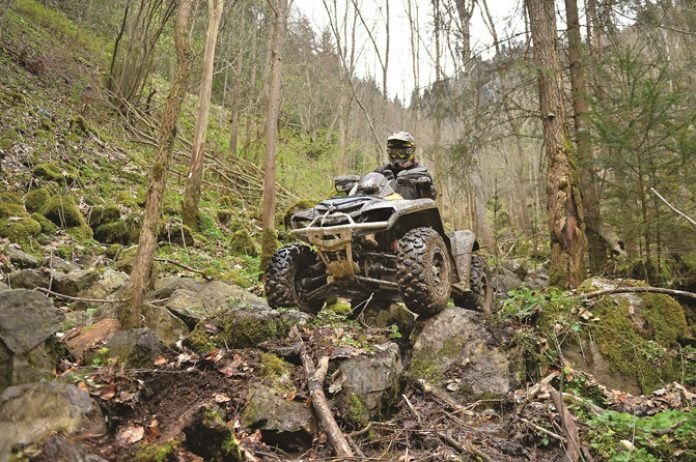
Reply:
x=27 y=320
x=4 y=286
x=31 y=412
x=59 y=449
x=164 y=288
x=87 y=338
x=537 y=278
x=73 y=282
x=455 y=344
x=211 y=299
x=28 y=279
x=135 y=348
x=167 y=328
x=245 y=328
x=206 y=432
x=620 y=325
x=504 y=277
x=368 y=383
x=110 y=281
x=288 y=424
x=59 y=264
x=21 y=259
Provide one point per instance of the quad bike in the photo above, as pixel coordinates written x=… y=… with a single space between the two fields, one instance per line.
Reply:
x=375 y=245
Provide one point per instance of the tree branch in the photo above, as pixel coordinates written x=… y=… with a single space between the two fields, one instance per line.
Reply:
x=689 y=219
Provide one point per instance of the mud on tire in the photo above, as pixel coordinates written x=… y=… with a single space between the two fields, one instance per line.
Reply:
x=284 y=278
x=481 y=296
x=424 y=271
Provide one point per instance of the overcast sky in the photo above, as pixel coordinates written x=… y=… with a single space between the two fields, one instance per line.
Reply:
x=507 y=14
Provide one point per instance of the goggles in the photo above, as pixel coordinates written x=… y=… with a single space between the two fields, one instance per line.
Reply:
x=400 y=153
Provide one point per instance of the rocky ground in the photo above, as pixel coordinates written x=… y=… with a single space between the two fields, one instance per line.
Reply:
x=217 y=375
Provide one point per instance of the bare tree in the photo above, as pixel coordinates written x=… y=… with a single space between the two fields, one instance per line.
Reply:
x=143 y=24
x=564 y=200
x=192 y=193
x=268 y=201
x=129 y=314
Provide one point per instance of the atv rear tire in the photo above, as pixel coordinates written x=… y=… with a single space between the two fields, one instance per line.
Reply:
x=424 y=271
x=481 y=296
x=285 y=274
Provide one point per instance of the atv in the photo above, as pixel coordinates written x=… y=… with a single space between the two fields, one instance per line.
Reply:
x=373 y=245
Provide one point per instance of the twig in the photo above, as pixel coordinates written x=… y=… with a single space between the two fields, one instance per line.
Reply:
x=463 y=447
x=688 y=218
x=79 y=299
x=441 y=395
x=187 y=268
x=621 y=290
x=568 y=423
x=315 y=380
x=541 y=429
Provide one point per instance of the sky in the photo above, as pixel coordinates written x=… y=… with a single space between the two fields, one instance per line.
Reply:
x=507 y=14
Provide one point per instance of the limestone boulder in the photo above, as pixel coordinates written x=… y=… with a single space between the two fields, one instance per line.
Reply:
x=31 y=412
x=288 y=424
x=28 y=279
x=134 y=347
x=456 y=351
x=367 y=384
x=72 y=283
x=27 y=320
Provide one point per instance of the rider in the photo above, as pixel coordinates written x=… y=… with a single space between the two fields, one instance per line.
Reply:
x=401 y=149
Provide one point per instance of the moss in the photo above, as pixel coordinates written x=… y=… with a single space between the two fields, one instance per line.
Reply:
x=113 y=251
x=272 y=367
x=249 y=332
x=628 y=351
x=231 y=448
x=113 y=233
x=666 y=318
x=429 y=365
x=269 y=244
x=200 y=341
x=9 y=139
x=339 y=306
x=356 y=412
x=299 y=205
x=52 y=172
x=36 y=199
x=47 y=226
x=102 y=215
x=237 y=278
x=8 y=209
x=241 y=243
x=156 y=452
x=10 y=198
x=63 y=211
x=126 y=259
x=19 y=230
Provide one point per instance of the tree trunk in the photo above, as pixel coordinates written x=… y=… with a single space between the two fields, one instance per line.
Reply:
x=129 y=314
x=564 y=200
x=591 y=203
x=269 y=193
x=192 y=193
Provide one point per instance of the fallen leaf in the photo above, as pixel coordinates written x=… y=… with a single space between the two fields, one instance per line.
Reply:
x=107 y=392
x=160 y=361
x=221 y=398
x=130 y=435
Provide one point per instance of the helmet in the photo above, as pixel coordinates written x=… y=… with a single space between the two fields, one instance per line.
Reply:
x=401 y=149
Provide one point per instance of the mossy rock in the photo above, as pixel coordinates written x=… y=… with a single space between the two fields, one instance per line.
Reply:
x=634 y=341
x=299 y=205
x=19 y=230
x=10 y=198
x=53 y=172
x=64 y=212
x=36 y=199
x=47 y=226
x=126 y=259
x=241 y=243
x=176 y=234
x=9 y=210
x=116 y=232
x=102 y=215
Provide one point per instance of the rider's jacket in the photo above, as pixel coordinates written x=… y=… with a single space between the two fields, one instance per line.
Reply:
x=422 y=187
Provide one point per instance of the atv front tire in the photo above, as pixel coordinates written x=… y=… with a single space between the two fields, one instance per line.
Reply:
x=424 y=271
x=481 y=296
x=286 y=274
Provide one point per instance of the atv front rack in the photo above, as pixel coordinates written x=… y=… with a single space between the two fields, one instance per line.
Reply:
x=335 y=246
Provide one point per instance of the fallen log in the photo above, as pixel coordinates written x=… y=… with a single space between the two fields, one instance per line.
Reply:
x=315 y=384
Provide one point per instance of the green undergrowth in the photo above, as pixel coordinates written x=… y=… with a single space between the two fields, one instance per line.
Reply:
x=639 y=342
x=667 y=435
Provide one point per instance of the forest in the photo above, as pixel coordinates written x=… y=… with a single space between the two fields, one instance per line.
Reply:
x=184 y=274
